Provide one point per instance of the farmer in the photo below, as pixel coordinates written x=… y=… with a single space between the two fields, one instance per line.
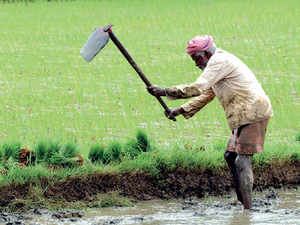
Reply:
x=246 y=105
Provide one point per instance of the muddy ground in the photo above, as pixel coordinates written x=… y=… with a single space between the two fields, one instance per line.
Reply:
x=178 y=183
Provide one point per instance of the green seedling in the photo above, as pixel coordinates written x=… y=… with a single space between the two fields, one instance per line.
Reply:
x=96 y=153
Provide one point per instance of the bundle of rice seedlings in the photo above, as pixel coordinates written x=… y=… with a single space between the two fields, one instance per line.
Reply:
x=96 y=153
x=53 y=149
x=70 y=150
x=40 y=151
x=57 y=160
x=16 y=150
x=131 y=149
x=142 y=140
x=112 y=153
x=11 y=149
x=115 y=149
x=7 y=151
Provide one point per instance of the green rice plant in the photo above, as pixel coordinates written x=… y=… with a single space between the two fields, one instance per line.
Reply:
x=40 y=151
x=112 y=153
x=131 y=149
x=54 y=148
x=142 y=141
x=96 y=153
x=57 y=160
x=70 y=150
x=7 y=151
x=16 y=149
x=11 y=149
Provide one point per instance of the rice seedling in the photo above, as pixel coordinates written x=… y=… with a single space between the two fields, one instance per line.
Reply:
x=40 y=151
x=16 y=150
x=112 y=153
x=131 y=149
x=96 y=153
x=142 y=141
x=11 y=149
x=53 y=150
x=70 y=150
x=7 y=151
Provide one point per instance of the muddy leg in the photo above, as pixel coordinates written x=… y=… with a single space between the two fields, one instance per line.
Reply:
x=245 y=178
x=230 y=158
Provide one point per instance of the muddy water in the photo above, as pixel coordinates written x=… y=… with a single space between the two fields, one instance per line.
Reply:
x=270 y=207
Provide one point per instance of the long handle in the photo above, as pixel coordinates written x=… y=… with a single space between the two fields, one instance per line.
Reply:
x=135 y=66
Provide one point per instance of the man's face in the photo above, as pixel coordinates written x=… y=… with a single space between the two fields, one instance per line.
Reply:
x=200 y=59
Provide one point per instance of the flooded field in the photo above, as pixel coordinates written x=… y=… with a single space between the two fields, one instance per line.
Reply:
x=272 y=207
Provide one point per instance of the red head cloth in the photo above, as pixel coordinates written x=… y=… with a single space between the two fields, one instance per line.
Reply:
x=199 y=44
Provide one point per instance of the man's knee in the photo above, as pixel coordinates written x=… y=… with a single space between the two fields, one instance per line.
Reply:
x=243 y=162
x=230 y=157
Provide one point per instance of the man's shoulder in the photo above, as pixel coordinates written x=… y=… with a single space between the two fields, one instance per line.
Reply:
x=220 y=56
x=221 y=52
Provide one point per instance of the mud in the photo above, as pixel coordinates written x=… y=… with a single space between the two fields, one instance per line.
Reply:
x=26 y=218
x=270 y=207
x=175 y=184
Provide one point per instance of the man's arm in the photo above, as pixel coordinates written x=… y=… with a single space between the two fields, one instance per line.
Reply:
x=193 y=106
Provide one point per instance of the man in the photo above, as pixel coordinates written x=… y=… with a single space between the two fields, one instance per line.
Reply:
x=246 y=105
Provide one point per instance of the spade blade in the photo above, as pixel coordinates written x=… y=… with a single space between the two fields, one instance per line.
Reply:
x=97 y=40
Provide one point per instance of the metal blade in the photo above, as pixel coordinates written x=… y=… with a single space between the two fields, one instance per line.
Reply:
x=97 y=40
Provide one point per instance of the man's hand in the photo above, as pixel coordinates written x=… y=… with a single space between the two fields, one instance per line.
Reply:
x=173 y=113
x=156 y=90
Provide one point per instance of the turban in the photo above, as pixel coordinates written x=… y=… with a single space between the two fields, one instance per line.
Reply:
x=199 y=44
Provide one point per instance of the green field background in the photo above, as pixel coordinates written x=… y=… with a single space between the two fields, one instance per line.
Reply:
x=47 y=91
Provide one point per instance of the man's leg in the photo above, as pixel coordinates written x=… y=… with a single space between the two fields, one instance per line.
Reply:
x=230 y=158
x=245 y=178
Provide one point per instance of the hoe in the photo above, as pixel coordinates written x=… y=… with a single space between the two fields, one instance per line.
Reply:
x=97 y=41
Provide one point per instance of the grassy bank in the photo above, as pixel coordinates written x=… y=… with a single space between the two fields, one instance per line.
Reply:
x=57 y=161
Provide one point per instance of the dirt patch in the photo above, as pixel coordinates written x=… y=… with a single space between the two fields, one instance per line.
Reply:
x=178 y=183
